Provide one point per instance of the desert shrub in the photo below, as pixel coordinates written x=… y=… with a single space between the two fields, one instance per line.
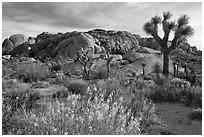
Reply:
x=100 y=74
x=77 y=86
x=16 y=97
x=192 y=96
x=176 y=90
x=108 y=109
x=26 y=71
x=196 y=114
x=32 y=72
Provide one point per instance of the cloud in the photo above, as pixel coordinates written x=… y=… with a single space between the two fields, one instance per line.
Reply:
x=32 y=18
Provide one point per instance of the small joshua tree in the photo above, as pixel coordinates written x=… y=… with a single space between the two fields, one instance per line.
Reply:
x=182 y=32
x=108 y=58
x=174 y=65
x=185 y=69
x=85 y=61
x=143 y=68
x=177 y=64
x=157 y=69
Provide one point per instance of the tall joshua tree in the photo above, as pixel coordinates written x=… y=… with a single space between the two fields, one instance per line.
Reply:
x=181 y=30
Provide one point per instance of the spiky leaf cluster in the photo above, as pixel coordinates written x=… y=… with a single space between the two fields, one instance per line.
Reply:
x=186 y=31
x=181 y=28
x=171 y=25
x=183 y=20
x=167 y=15
x=156 y=20
x=148 y=27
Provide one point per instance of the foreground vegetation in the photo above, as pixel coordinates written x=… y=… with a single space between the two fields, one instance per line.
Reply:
x=121 y=104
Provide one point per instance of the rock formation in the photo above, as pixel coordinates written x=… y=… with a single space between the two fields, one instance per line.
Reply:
x=126 y=48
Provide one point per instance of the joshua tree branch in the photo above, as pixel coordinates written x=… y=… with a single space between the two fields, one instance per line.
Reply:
x=166 y=32
x=157 y=38
x=174 y=43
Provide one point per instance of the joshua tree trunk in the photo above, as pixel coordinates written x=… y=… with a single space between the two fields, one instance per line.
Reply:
x=143 y=71
x=108 y=66
x=174 y=69
x=166 y=56
x=85 y=72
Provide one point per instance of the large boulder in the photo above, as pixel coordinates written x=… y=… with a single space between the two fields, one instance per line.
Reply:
x=137 y=53
x=133 y=56
x=150 y=60
x=18 y=39
x=148 y=50
x=121 y=41
x=7 y=46
x=69 y=47
x=21 y=50
x=148 y=42
x=177 y=51
x=185 y=47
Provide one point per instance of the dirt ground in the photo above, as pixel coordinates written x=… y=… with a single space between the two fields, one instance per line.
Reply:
x=174 y=121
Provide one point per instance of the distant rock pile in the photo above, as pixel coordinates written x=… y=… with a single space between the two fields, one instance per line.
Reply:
x=130 y=47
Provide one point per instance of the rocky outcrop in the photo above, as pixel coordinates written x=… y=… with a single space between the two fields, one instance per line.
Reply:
x=128 y=48
x=67 y=44
x=11 y=42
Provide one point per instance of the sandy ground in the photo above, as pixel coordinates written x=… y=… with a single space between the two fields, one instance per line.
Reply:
x=174 y=121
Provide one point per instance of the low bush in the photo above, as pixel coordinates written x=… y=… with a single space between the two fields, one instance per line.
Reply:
x=32 y=72
x=77 y=87
x=100 y=74
x=61 y=94
x=192 y=97
x=196 y=114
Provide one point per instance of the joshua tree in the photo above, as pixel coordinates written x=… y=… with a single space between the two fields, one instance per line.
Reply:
x=157 y=69
x=182 y=32
x=85 y=61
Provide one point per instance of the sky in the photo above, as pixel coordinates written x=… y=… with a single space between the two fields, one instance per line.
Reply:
x=31 y=18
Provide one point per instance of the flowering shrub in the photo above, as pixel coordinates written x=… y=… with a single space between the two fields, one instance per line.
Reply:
x=181 y=83
x=107 y=109
x=176 y=90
